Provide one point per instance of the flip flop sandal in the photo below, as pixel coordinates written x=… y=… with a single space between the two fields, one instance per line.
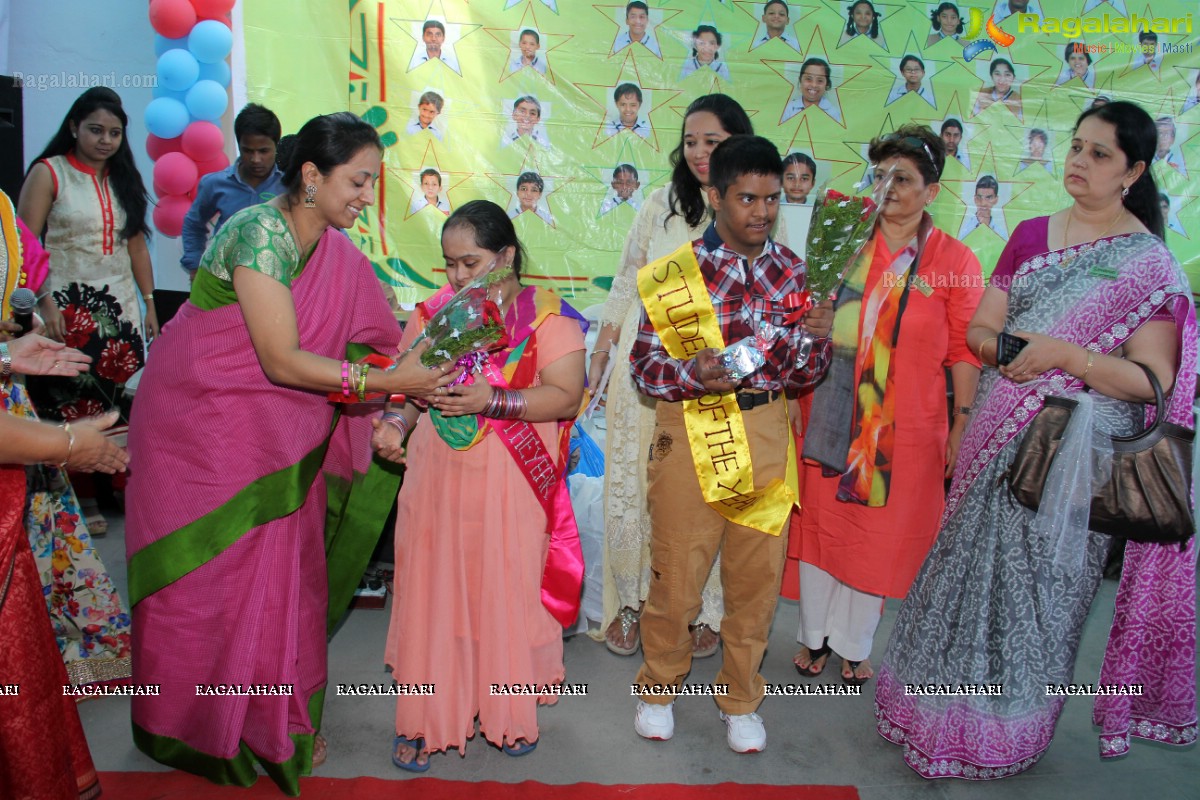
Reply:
x=97 y=525
x=854 y=680
x=416 y=744
x=628 y=619
x=519 y=750
x=320 y=746
x=697 y=635
x=813 y=656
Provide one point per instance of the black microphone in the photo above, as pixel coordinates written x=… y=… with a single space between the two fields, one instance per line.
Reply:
x=23 y=301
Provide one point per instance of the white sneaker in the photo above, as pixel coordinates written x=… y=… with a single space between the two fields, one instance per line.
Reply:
x=745 y=733
x=654 y=721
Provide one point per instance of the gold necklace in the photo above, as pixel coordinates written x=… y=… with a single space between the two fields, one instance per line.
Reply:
x=1067 y=227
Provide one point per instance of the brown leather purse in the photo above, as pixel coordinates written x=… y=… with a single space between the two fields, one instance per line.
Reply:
x=1147 y=497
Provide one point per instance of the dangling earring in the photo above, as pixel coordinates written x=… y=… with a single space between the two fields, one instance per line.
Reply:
x=1126 y=192
x=310 y=196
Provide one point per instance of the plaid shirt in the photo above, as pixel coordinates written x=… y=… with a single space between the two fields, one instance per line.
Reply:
x=742 y=294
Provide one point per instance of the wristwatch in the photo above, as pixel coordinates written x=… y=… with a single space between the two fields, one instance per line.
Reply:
x=5 y=360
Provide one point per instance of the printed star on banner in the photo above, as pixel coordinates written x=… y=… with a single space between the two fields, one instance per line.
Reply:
x=550 y=4
x=828 y=169
x=511 y=38
x=789 y=38
x=1104 y=88
x=1037 y=143
x=860 y=147
x=616 y=14
x=886 y=16
x=447 y=40
x=972 y=230
x=611 y=124
x=1066 y=77
x=1191 y=100
x=412 y=178
x=541 y=207
x=828 y=101
x=931 y=68
x=1168 y=46
x=1118 y=6
x=970 y=131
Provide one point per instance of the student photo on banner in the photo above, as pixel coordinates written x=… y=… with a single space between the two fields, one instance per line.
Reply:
x=1193 y=97
x=1037 y=150
x=526 y=51
x=985 y=209
x=862 y=19
x=637 y=27
x=1077 y=63
x=814 y=80
x=426 y=111
x=1169 y=216
x=435 y=42
x=430 y=181
x=626 y=189
x=625 y=113
x=910 y=79
x=528 y=115
x=954 y=135
x=528 y=196
x=1006 y=8
x=999 y=86
x=945 y=22
x=799 y=177
x=1146 y=50
x=706 y=53
x=774 y=23
x=1168 y=151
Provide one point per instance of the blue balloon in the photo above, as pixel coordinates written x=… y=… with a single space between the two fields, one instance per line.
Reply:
x=217 y=71
x=166 y=118
x=210 y=41
x=177 y=70
x=162 y=44
x=207 y=100
x=162 y=91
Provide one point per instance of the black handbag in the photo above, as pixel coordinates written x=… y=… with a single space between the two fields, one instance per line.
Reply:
x=1148 y=495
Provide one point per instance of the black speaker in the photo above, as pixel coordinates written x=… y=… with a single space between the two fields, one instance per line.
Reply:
x=12 y=137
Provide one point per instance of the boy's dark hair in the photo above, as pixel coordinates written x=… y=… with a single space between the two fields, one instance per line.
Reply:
x=531 y=177
x=744 y=154
x=909 y=58
x=528 y=98
x=627 y=88
x=532 y=33
x=951 y=123
x=988 y=182
x=770 y=3
x=636 y=4
x=823 y=64
x=256 y=120
x=803 y=159
x=433 y=23
x=432 y=98
x=630 y=168
x=283 y=150
x=1038 y=133
x=431 y=171
x=1147 y=36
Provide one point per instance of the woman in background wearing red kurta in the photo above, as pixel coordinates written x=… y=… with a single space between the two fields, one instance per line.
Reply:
x=877 y=444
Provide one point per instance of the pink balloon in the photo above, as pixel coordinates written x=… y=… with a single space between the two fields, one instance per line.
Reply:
x=169 y=213
x=175 y=173
x=202 y=141
x=213 y=165
x=157 y=147
x=212 y=9
x=173 y=19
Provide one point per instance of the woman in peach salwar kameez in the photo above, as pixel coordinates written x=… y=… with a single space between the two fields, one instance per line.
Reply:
x=471 y=608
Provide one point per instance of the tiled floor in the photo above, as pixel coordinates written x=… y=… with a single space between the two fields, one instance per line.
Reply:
x=825 y=740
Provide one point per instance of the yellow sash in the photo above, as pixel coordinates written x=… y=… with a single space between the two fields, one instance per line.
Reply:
x=678 y=306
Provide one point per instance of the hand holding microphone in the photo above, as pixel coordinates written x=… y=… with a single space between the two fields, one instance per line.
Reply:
x=23 y=302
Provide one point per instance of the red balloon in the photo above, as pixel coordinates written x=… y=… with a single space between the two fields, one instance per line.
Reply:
x=212 y=9
x=173 y=19
x=175 y=173
x=202 y=141
x=157 y=147
x=169 y=213
x=213 y=165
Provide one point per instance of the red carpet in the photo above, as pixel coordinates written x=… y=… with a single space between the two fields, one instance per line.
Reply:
x=181 y=786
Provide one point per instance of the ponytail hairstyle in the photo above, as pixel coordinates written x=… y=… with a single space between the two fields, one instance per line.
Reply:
x=1137 y=138
x=686 y=199
x=492 y=228
x=123 y=173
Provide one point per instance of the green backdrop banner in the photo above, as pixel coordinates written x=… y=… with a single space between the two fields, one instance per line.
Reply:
x=539 y=104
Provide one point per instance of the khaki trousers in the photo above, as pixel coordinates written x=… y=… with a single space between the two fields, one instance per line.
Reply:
x=685 y=538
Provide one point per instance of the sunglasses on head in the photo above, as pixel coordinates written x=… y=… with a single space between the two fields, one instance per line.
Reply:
x=914 y=142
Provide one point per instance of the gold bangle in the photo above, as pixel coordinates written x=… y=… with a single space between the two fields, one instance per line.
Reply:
x=148 y=296
x=984 y=344
x=70 y=444
x=1088 y=368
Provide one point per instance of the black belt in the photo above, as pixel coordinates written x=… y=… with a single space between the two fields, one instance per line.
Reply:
x=749 y=400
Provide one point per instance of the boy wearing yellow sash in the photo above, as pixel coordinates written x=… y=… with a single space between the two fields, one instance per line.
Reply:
x=721 y=457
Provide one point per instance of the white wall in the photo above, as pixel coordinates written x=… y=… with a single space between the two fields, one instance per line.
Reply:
x=56 y=42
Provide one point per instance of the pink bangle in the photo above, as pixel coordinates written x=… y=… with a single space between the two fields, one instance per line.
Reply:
x=345 y=379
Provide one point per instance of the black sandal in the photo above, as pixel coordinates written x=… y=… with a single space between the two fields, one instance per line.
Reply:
x=813 y=655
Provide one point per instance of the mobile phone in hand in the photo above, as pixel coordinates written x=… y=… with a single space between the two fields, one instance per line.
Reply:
x=1007 y=347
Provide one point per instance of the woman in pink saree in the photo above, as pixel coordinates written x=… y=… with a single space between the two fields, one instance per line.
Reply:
x=999 y=602
x=253 y=506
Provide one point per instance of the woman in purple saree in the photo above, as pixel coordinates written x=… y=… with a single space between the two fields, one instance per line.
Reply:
x=253 y=506
x=1092 y=288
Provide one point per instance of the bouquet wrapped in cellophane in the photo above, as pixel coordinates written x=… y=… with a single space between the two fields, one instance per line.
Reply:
x=468 y=326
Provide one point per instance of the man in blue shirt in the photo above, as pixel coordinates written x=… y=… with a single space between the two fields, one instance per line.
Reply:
x=250 y=180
